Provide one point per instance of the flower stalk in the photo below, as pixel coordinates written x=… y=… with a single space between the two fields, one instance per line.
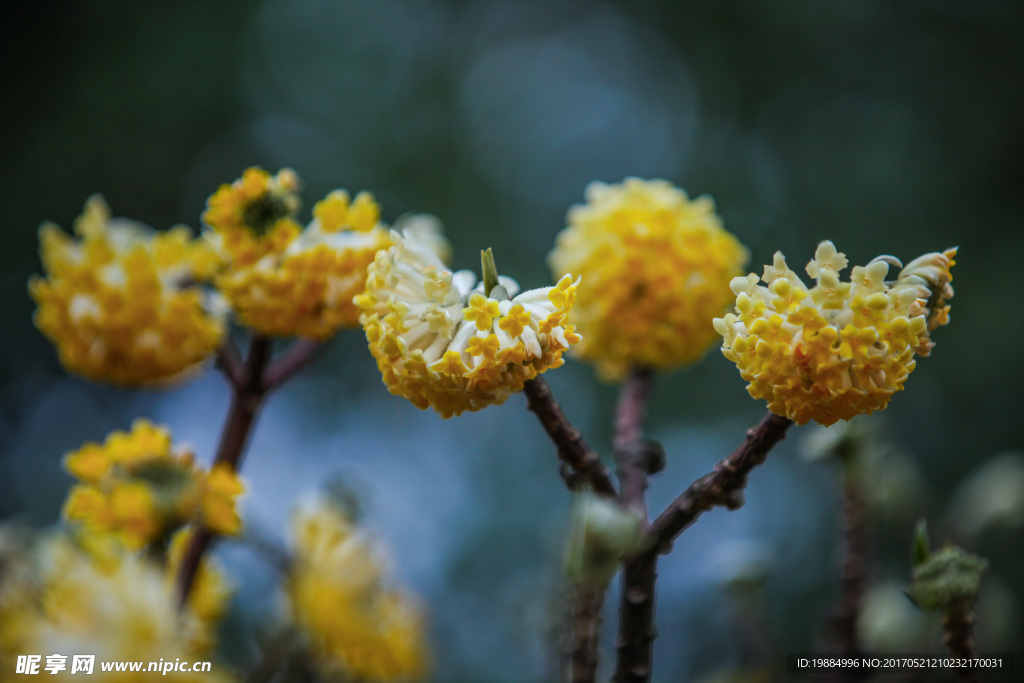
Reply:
x=635 y=457
x=247 y=394
x=582 y=633
x=854 y=569
x=722 y=486
x=251 y=381
x=959 y=638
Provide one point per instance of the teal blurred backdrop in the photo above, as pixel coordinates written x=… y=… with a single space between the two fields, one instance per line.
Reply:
x=887 y=127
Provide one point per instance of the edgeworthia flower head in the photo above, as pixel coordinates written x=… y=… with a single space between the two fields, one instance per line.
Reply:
x=655 y=266
x=140 y=488
x=90 y=595
x=122 y=303
x=838 y=349
x=444 y=343
x=282 y=279
x=357 y=625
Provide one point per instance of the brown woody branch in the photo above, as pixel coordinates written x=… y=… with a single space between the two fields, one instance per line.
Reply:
x=572 y=449
x=854 y=569
x=251 y=381
x=583 y=631
x=722 y=486
x=229 y=361
x=293 y=360
x=636 y=619
x=959 y=638
x=247 y=394
x=631 y=452
x=636 y=459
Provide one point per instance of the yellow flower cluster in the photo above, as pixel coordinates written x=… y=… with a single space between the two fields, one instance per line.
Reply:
x=121 y=302
x=442 y=343
x=280 y=278
x=91 y=596
x=138 y=486
x=655 y=267
x=838 y=349
x=358 y=628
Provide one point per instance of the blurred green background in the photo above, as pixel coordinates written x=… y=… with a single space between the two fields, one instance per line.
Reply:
x=887 y=127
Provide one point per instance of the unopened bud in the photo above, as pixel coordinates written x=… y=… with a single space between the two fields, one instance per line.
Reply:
x=489 y=271
x=949 y=580
x=920 y=549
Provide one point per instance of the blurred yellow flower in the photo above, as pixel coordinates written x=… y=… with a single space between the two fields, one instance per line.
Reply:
x=121 y=303
x=280 y=278
x=358 y=628
x=138 y=486
x=655 y=267
x=220 y=490
x=838 y=349
x=97 y=598
x=442 y=343
x=254 y=216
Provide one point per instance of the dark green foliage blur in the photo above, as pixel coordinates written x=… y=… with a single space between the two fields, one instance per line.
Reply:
x=887 y=127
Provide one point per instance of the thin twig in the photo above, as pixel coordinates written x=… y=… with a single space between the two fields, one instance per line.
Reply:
x=630 y=450
x=854 y=570
x=959 y=638
x=289 y=363
x=632 y=407
x=583 y=630
x=635 y=461
x=636 y=619
x=247 y=394
x=572 y=449
x=229 y=361
x=722 y=486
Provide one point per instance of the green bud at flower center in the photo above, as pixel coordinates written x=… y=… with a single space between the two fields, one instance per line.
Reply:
x=263 y=213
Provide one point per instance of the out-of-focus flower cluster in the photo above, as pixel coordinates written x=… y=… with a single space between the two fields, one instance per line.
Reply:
x=121 y=302
x=443 y=343
x=282 y=279
x=88 y=594
x=837 y=349
x=655 y=267
x=358 y=628
x=137 y=486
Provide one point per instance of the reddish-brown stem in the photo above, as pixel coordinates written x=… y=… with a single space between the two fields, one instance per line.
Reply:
x=247 y=393
x=631 y=453
x=854 y=570
x=959 y=638
x=632 y=407
x=572 y=449
x=229 y=361
x=289 y=363
x=583 y=630
x=635 y=462
x=722 y=486
x=636 y=619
